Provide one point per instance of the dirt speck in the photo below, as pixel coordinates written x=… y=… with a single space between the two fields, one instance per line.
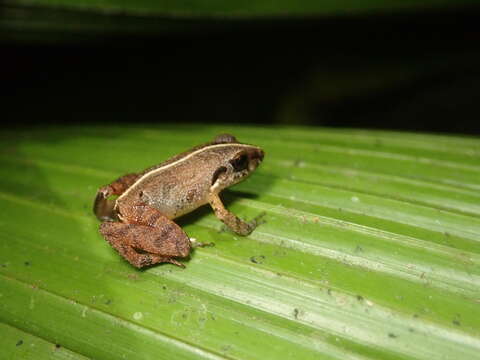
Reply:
x=226 y=348
x=138 y=315
x=295 y=313
x=133 y=277
x=257 y=259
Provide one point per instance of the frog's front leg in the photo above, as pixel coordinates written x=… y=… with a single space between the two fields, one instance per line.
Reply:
x=145 y=237
x=236 y=224
x=103 y=207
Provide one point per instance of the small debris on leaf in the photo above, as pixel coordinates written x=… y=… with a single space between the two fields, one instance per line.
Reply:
x=257 y=259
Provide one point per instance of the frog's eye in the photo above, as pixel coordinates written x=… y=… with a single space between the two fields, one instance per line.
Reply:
x=240 y=163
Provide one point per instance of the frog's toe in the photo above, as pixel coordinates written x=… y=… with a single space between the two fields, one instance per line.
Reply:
x=194 y=243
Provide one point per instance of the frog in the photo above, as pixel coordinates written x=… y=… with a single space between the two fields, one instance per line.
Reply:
x=137 y=210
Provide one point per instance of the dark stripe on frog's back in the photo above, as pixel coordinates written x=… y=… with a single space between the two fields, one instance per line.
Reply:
x=177 y=157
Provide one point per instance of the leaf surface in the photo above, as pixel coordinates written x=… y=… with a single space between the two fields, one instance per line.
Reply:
x=370 y=249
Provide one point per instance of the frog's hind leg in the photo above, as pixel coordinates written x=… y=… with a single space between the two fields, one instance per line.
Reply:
x=125 y=238
x=114 y=233
x=146 y=237
x=102 y=206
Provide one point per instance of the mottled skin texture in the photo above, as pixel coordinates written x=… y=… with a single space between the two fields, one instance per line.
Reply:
x=139 y=225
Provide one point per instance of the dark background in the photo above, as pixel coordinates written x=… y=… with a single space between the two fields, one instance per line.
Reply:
x=409 y=71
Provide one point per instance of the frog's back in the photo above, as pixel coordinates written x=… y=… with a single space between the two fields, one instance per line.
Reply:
x=175 y=187
x=182 y=183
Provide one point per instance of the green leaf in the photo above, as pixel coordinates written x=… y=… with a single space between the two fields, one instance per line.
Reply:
x=370 y=249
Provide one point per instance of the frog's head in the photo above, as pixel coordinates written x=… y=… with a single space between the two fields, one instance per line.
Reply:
x=238 y=161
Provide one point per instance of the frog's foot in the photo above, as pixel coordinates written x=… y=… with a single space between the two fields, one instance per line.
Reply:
x=146 y=237
x=194 y=243
x=233 y=222
x=257 y=220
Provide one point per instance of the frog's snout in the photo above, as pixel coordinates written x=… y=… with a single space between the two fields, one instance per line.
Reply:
x=260 y=155
x=256 y=157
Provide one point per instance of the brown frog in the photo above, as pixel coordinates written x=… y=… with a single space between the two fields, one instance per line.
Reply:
x=139 y=222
